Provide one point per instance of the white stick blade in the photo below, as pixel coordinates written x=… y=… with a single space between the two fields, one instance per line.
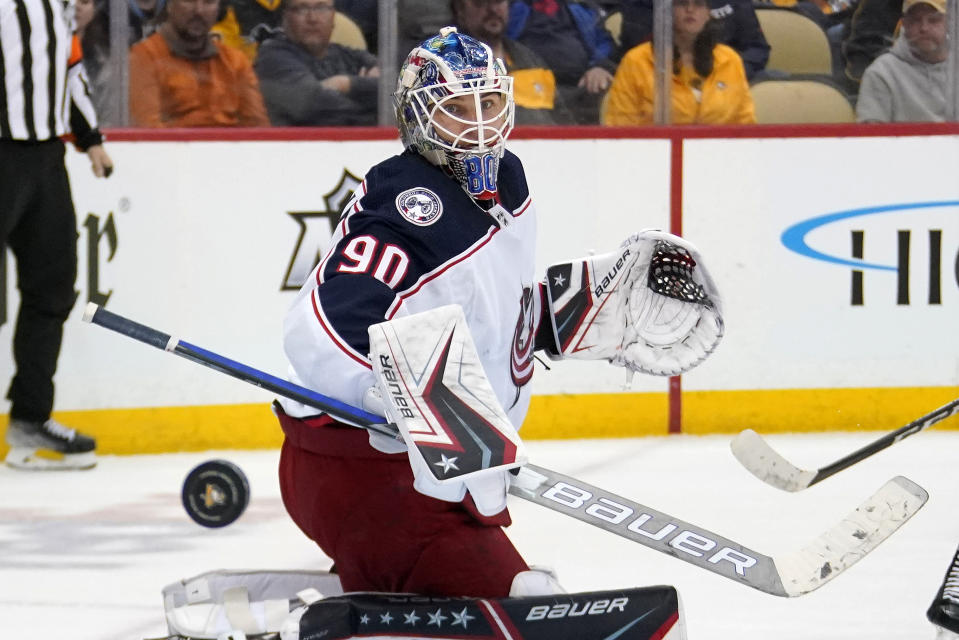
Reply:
x=765 y=463
x=858 y=534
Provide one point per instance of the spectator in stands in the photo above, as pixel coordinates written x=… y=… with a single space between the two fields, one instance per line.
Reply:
x=571 y=38
x=309 y=81
x=708 y=85
x=908 y=83
x=835 y=17
x=143 y=17
x=365 y=13
x=735 y=19
x=871 y=32
x=181 y=76
x=93 y=31
x=418 y=20
x=239 y=20
x=534 y=86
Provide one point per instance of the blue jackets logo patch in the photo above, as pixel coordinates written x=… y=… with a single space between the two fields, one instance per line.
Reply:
x=420 y=206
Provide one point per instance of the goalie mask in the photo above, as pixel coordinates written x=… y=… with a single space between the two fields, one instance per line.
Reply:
x=454 y=105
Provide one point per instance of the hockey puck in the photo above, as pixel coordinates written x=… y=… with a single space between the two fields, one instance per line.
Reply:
x=215 y=493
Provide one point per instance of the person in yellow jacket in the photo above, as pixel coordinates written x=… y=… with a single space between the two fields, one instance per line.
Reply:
x=708 y=86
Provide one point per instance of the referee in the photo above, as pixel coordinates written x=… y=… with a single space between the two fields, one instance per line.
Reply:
x=43 y=99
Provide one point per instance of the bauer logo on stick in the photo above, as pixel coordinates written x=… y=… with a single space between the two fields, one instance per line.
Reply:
x=215 y=493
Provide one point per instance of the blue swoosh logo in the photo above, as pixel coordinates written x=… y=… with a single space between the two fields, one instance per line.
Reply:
x=794 y=238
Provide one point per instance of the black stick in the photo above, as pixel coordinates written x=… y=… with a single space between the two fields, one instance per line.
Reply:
x=765 y=463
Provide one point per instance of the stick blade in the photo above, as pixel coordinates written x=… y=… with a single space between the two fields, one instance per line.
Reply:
x=851 y=539
x=764 y=462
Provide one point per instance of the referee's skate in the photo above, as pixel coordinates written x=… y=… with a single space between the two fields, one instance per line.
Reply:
x=48 y=445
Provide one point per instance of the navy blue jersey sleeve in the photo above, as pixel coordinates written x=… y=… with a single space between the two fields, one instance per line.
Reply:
x=353 y=302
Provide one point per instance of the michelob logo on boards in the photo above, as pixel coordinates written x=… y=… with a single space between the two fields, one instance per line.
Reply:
x=100 y=240
x=316 y=230
x=912 y=249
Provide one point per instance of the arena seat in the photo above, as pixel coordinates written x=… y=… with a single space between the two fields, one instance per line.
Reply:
x=797 y=44
x=614 y=24
x=346 y=32
x=800 y=100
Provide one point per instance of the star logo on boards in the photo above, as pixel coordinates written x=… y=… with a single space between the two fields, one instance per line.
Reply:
x=386 y=618
x=411 y=617
x=364 y=619
x=461 y=618
x=436 y=618
x=316 y=231
x=559 y=280
x=447 y=463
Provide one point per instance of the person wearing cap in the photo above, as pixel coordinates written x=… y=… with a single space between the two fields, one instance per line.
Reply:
x=908 y=83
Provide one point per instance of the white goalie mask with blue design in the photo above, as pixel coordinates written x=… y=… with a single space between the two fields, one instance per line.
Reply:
x=454 y=105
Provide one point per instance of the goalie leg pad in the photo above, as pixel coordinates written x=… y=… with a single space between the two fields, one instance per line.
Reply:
x=629 y=614
x=217 y=603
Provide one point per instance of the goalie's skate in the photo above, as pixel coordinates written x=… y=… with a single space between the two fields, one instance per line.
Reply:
x=47 y=446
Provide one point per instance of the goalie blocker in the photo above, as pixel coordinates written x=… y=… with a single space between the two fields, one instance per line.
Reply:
x=435 y=391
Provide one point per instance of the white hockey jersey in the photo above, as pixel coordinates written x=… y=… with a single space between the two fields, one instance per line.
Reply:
x=410 y=240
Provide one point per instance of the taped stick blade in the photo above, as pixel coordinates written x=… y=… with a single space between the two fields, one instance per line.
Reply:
x=853 y=538
x=764 y=462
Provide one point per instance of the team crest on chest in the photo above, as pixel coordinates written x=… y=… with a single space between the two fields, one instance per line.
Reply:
x=524 y=337
x=420 y=206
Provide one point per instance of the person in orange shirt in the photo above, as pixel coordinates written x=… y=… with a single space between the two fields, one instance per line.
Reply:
x=708 y=85
x=181 y=76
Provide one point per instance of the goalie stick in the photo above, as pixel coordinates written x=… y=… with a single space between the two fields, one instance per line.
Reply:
x=765 y=463
x=789 y=575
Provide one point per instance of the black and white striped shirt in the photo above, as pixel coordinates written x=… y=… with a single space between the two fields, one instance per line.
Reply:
x=45 y=93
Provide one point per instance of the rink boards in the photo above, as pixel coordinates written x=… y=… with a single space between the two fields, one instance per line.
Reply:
x=838 y=259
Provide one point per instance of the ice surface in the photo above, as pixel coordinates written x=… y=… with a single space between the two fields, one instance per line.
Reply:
x=84 y=555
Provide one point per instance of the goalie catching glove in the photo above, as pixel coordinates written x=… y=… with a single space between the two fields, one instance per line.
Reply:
x=650 y=306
